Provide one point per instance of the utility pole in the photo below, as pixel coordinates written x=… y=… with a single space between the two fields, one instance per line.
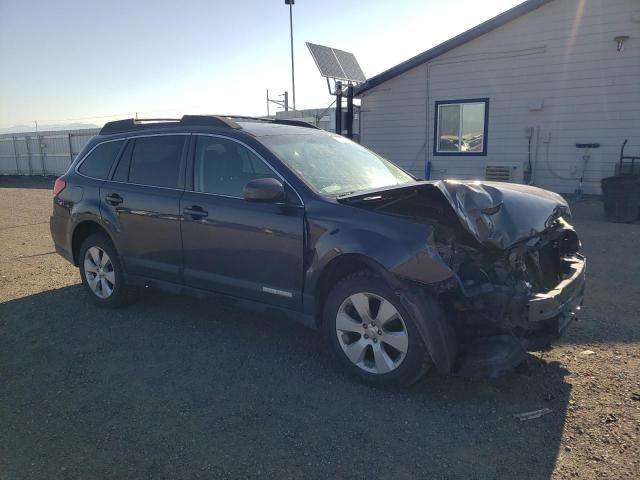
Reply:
x=284 y=103
x=293 y=75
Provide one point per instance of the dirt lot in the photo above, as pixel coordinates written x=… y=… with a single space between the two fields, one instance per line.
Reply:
x=179 y=388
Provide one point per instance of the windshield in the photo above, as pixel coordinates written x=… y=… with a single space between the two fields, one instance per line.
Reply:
x=333 y=165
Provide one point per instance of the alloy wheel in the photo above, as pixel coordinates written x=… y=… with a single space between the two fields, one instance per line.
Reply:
x=99 y=272
x=372 y=333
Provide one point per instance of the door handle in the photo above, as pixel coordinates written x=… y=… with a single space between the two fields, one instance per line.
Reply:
x=195 y=212
x=113 y=199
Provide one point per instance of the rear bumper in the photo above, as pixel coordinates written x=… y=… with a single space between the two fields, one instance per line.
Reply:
x=64 y=254
x=58 y=230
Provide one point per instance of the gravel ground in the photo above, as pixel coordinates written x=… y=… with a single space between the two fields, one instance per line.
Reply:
x=174 y=387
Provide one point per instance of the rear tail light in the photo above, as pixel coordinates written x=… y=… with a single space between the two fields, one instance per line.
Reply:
x=59 y=185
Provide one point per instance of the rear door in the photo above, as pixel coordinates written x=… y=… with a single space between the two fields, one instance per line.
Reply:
x=142 y=203
x=247 y=249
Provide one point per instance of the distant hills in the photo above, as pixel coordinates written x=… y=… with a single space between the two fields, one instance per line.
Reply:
x=46 y=128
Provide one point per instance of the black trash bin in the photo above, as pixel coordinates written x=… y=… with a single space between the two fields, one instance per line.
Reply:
x=621 y=198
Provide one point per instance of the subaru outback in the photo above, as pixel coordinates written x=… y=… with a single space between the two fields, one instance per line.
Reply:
x=402 y=276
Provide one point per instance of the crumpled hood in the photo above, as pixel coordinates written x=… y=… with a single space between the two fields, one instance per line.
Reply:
x=500 y=215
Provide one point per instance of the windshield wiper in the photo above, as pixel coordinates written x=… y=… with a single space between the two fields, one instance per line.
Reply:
x=346 y=194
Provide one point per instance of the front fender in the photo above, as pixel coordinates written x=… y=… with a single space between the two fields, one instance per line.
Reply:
x=400 y=251
x=401 y=247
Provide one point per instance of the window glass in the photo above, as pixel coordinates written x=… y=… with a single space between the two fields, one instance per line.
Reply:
x=333 y=165
x=224 y=167
x=122 y=170
x=472 y=127
x=98 y=163
x=449 y=122
x=461 y=127
x=156 y=160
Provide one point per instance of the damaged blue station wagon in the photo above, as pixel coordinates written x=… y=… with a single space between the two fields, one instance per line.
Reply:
x=403 y=276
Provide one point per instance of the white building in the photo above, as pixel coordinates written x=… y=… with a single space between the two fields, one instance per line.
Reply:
x=513 y=96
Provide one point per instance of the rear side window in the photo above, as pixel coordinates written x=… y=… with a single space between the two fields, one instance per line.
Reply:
x=156 y=160
x=98 y=163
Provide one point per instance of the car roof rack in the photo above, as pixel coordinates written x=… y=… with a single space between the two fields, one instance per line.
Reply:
x=220 y=121
x=278 y=121
x=130 y=124
x=294 y=123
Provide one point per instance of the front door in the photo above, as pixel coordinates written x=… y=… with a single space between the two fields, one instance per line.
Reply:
x=246 y=249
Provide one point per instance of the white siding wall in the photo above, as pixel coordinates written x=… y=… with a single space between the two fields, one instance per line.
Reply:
x=563 y=54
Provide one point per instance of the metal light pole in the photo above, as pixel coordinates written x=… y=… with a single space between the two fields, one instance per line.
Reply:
x=293 y=75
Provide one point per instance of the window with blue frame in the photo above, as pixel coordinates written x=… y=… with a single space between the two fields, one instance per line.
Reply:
x=461 y=127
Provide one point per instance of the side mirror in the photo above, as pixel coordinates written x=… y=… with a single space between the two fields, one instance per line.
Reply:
x=264 y=190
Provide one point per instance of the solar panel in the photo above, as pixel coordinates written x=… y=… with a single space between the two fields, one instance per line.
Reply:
x=350 y=67
x=334 y=63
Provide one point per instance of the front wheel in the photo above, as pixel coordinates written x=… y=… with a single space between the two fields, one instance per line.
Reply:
x=102 y=273
x=372 y=334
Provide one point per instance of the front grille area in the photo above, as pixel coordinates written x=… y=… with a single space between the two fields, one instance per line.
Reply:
x=549 y=262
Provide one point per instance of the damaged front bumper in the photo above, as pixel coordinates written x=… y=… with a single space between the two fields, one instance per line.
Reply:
x=565 y=299
x=522 y=323
x=509 y=309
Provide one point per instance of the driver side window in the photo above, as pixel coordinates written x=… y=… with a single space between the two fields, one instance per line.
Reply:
x=223 y=167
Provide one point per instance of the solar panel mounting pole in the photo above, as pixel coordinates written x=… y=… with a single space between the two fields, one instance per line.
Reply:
x=339 y=108
x=350 y=111
x=342 y=67
x=293 y=75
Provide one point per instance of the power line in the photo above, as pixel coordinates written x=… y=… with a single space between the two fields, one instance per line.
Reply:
x=121 y=115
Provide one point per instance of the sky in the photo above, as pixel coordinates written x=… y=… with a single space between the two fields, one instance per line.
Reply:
x=84 y=61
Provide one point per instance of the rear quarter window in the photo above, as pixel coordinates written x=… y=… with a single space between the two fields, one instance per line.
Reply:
x=98 y=163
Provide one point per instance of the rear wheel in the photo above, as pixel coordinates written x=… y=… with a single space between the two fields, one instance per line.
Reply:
x=372 y=334
x=102 y=273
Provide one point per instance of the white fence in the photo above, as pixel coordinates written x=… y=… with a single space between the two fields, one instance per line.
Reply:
x=41 y=153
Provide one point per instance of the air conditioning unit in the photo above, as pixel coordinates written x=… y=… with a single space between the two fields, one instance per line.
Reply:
x=504 y=172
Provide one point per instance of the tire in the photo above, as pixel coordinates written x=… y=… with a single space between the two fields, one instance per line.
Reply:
x=102 y=273
x=380 y=353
